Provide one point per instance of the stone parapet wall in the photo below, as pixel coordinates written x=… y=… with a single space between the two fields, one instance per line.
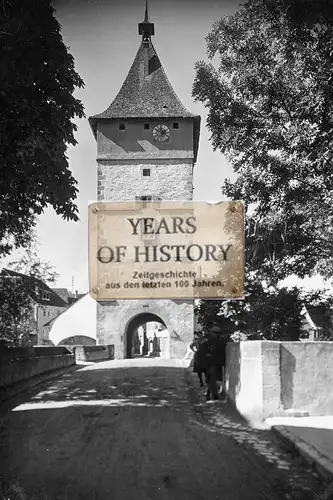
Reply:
x=266 y=379
x=18 y=364
x=93 y=353
x=307 y=376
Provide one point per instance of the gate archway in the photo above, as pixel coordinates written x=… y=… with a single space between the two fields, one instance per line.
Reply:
x=133 y=326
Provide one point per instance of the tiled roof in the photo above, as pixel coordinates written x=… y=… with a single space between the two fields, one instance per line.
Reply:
x=55 y=300
x=150 y=96
x=62 y=292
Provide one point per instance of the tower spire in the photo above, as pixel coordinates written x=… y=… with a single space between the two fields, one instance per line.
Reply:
x=146 y=20
x=146 y=28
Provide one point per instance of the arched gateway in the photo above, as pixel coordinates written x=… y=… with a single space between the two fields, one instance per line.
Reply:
x=116 y=318
x=132 y=333
x=135 y=161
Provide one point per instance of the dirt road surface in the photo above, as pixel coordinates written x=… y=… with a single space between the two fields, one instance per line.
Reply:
x=139 y=429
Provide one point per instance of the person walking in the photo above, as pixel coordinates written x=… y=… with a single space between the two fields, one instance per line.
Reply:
x=216 y=358
x=211 y=368
x=199 y=361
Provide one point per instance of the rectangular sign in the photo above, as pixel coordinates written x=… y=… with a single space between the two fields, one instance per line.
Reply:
x=166 y=250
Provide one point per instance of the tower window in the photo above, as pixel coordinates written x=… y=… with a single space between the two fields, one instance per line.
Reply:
x=175 y=125
x=121 y=126
x=146 y=126
x=146 y=172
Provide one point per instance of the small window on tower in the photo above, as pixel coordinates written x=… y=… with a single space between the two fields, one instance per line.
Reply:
x=146 y=126
x=121 y=126
x=176 y=125
x=146 y=172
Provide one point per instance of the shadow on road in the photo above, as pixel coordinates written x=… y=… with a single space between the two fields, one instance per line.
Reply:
x=137 y=431
x=257 y=443
x=110 y=387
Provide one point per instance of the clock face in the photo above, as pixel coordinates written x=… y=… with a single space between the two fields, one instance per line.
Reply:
x=161 y=133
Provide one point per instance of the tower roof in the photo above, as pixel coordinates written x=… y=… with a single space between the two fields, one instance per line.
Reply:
x=146 y=91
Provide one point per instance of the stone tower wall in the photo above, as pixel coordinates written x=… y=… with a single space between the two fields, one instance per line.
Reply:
x=122 y=156
x=114 y=316
x=167 y=181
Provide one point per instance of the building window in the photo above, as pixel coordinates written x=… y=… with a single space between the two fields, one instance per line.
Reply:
x=121 y=126
x=146 y=172
x=44 y=312
x=146 y=126
x=46 y=296
x=176 y=125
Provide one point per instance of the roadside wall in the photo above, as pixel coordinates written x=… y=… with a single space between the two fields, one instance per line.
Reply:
x=92 y=352
x=266 y=379
x=307 y=376
x=21 y=363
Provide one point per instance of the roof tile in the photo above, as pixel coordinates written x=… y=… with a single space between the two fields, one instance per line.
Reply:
x=150 y=96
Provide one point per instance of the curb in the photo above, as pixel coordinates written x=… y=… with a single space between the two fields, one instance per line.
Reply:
x=321 y=463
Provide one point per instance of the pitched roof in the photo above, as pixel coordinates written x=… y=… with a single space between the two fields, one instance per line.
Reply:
x=62 y=292
x=31 y=281
x=150 y=96
x=77 y=297
x=147 y=93
x=319 y=316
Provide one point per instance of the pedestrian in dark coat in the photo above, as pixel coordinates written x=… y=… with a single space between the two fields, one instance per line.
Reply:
x=215 y=365
x=200 y=361
x=212 y=368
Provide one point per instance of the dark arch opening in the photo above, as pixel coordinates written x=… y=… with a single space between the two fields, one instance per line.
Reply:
x=134 y=324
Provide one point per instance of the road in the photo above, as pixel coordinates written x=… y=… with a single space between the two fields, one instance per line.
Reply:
x=139 y=429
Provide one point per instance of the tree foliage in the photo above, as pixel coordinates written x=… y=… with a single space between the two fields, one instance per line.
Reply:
x=269 y=93
x=273 y=314
x=37 y=82
x=267 y=312
x=31 y=265
x=18 y=295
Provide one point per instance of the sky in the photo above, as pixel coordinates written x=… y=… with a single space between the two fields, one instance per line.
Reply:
x=102 y=36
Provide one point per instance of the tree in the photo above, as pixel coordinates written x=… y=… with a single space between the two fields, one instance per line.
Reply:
x=268 y=90
x=270 y=111
x=18 y=294
x=31 y=265
x=37 y=82
x=271 y=313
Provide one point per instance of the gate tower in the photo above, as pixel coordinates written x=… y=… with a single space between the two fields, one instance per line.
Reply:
x=147 y=145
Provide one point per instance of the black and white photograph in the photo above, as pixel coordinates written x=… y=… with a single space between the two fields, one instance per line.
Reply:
x=166 y=250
